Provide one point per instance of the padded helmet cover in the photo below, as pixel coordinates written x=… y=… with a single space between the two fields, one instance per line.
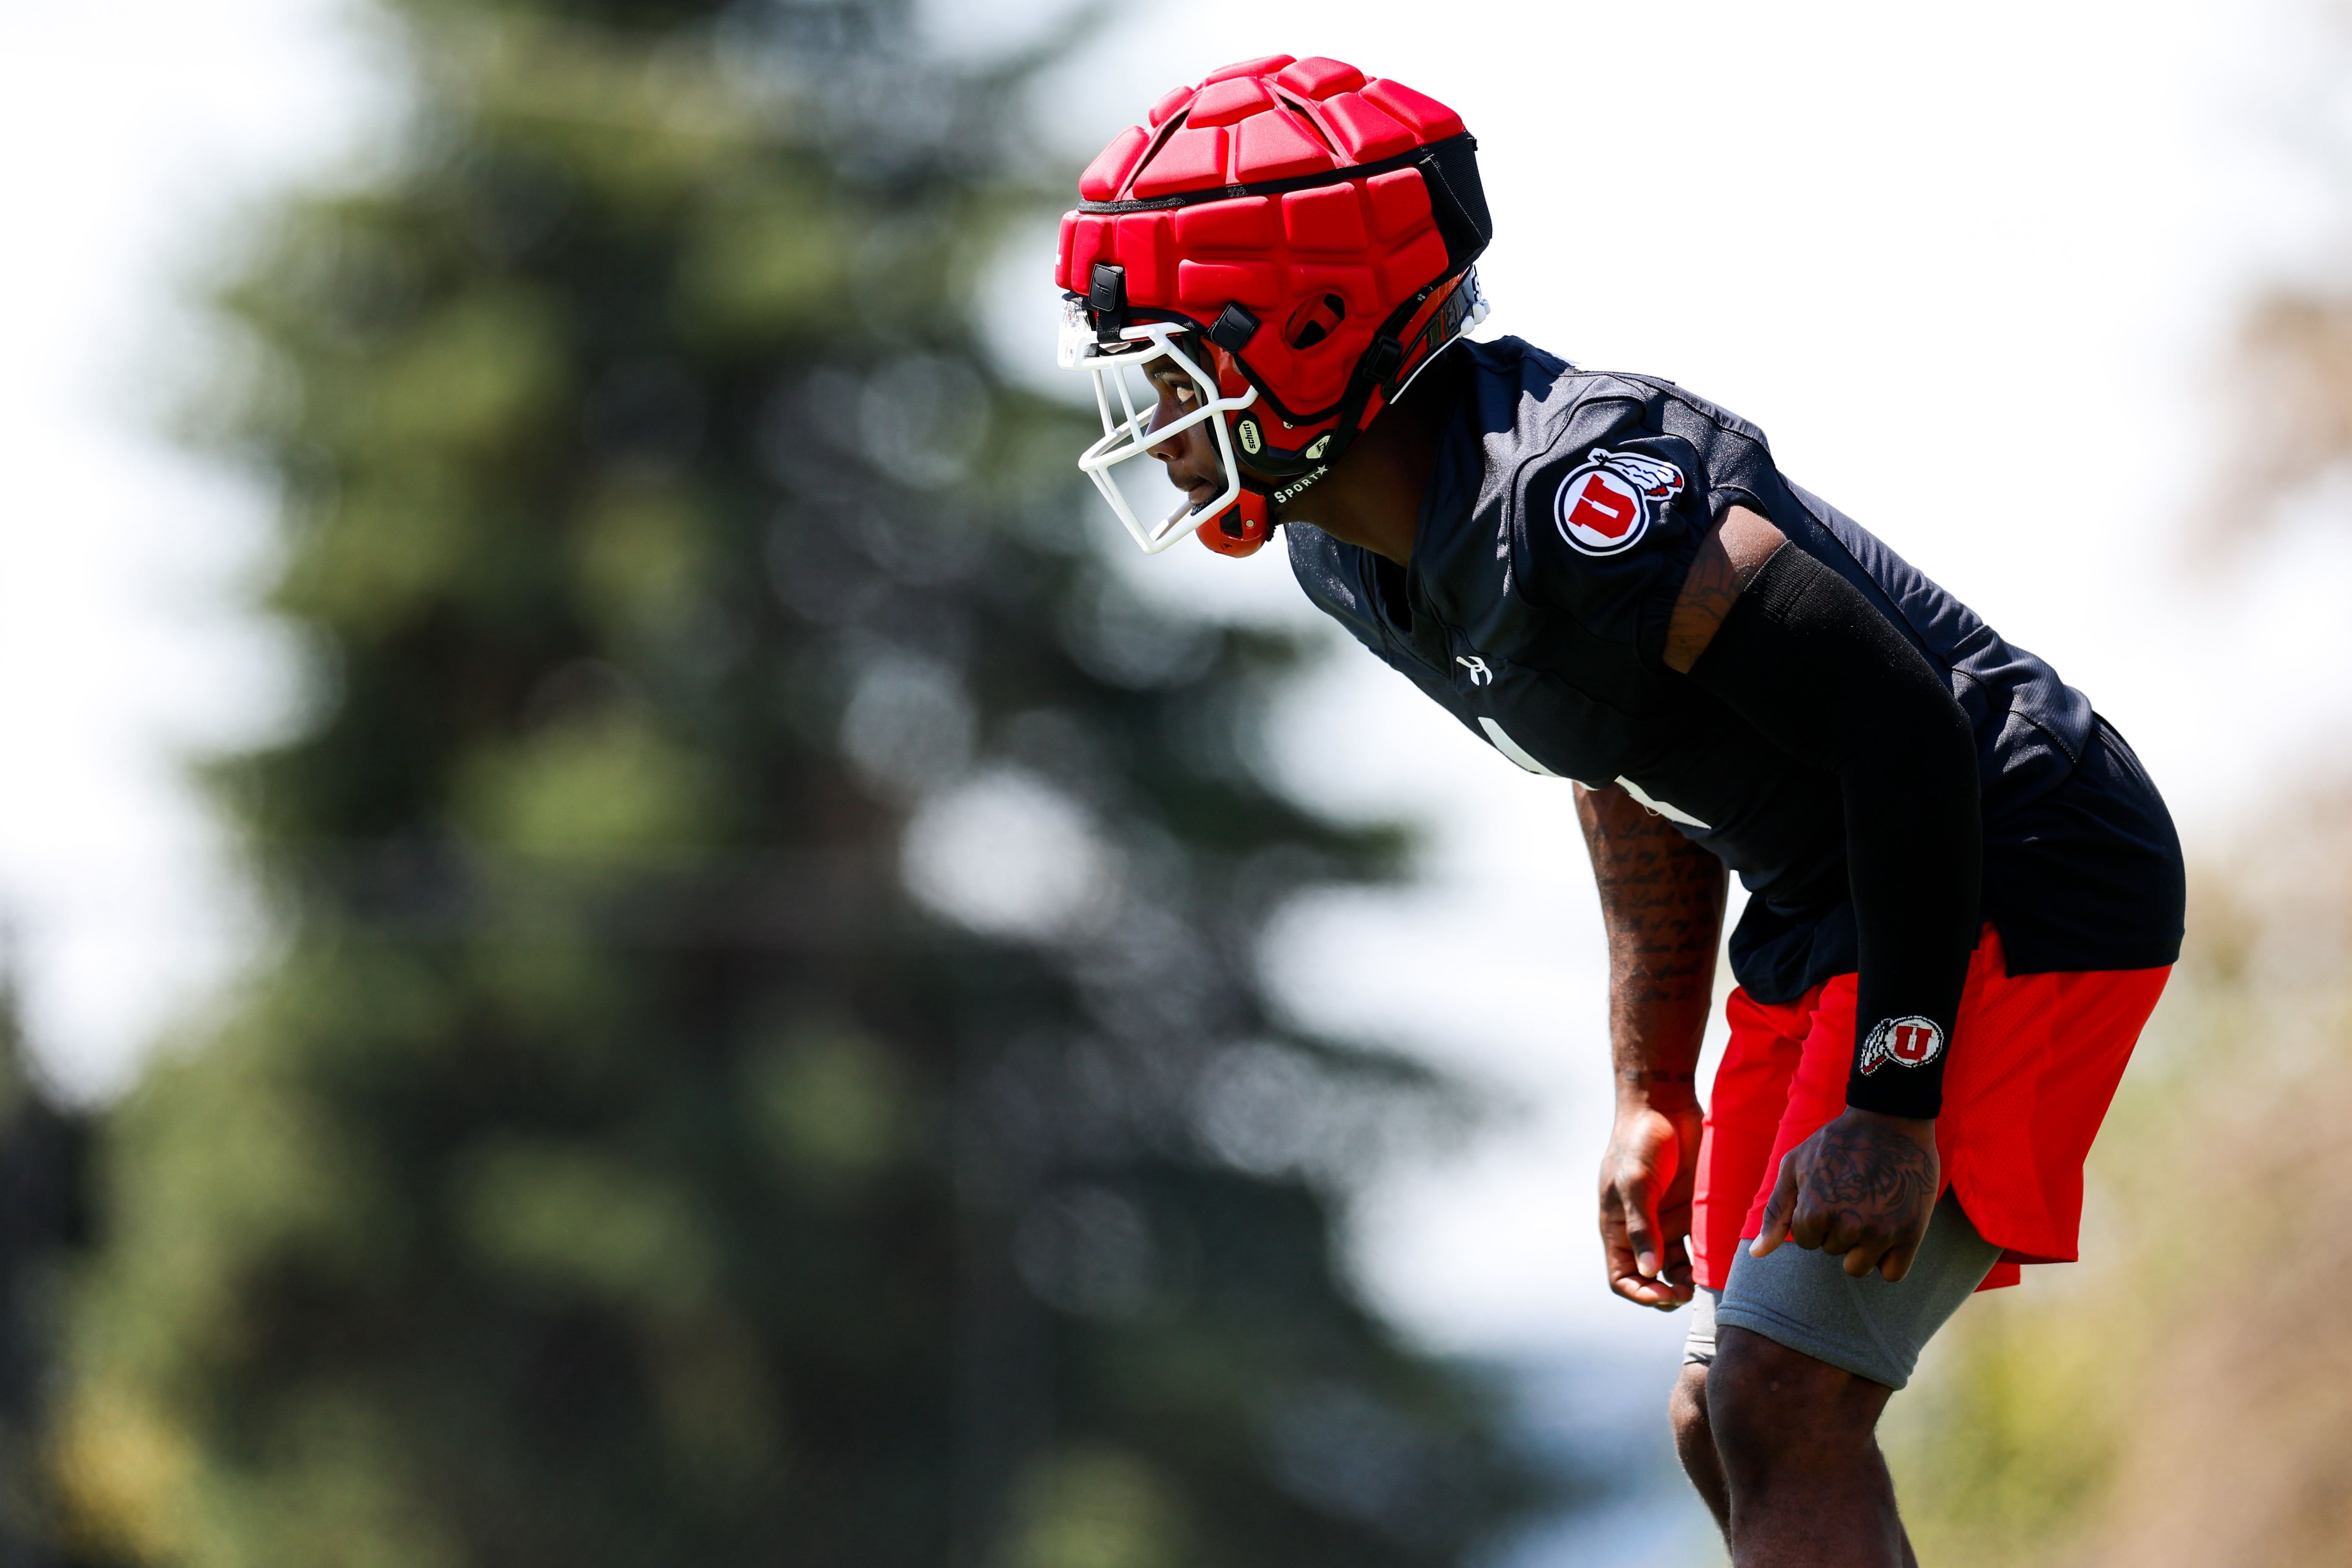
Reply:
x=1305 y=220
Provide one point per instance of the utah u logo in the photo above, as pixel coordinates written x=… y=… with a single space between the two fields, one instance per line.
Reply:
x=1604 y=506
x=1911 y=1041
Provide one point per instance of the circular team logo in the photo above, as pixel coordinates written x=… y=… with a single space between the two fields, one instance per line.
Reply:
x=1601 y=514
x=1912 y=1042
x=1604 y=506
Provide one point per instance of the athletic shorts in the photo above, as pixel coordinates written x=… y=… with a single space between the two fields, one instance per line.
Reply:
x=1806 y=1301
x=2034 y=1061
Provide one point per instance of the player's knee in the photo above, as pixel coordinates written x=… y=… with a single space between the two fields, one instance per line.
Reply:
x=1687 y=1408
x=1777 y=1414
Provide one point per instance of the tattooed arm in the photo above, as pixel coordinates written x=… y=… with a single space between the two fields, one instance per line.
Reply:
x=1864 y=1185
x=1662 y=904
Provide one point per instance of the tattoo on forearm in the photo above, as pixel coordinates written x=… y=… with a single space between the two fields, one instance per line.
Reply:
x=1662 y=901
x=1662 y=905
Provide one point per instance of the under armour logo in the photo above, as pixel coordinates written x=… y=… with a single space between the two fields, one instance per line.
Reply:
x=1480 y=675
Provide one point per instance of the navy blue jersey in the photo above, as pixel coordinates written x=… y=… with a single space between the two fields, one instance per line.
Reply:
x=1561 y=517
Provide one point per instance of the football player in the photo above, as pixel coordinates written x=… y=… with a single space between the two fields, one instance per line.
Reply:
x=1964 y=893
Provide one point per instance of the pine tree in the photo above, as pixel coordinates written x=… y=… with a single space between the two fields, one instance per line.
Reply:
x=762 y=1060
x=43 y=1150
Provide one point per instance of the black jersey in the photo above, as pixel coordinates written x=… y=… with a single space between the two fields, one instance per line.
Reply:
x=1560 y=519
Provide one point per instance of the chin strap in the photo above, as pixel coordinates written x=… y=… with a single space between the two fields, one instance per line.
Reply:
x=1241 y=528
x=1245 y=526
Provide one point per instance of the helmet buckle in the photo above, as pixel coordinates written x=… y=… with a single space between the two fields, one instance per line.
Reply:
x=1106 y=298
x=1233 y=330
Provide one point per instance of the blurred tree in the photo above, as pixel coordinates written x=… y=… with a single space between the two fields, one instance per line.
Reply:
x=42 y=1159
x=762 y=1059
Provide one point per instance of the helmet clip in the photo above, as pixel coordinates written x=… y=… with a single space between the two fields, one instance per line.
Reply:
x=1233 y=328
x=1106 y=298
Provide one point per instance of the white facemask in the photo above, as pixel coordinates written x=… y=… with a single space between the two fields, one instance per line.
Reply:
x=1122 y=365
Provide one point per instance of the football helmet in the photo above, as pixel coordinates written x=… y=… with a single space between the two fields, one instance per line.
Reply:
x=1291 y=239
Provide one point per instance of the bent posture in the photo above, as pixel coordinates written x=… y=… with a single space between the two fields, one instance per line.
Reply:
x=1965 y=894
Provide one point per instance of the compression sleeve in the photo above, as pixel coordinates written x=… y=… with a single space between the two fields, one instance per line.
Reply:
x=1807 y=660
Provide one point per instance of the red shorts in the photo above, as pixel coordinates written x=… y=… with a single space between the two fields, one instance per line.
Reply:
x=2035 y=1059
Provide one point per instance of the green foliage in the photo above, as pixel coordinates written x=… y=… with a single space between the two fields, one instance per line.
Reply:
x=613 y=1162
x=41 y=1161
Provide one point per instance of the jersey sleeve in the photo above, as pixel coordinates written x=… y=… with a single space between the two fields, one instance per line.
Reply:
x=1608 y=520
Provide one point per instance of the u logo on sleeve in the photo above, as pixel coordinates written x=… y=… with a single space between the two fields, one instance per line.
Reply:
x=1911 y=1041
x=1604 y=506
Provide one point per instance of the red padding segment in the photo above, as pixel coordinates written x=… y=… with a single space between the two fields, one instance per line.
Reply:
x=1214 y=285
x=1414 y=267
x=1319 y=77
x=1320 y=374
x=1264 y=66
x=1429 y=120
x=1400 y=203
x=1062 y=251
x=1246 y=224
x=1366 y=133
x=1189 y=160
x=1223 y=102
x=1147 y=250
x=1356 y=285
x=1276 y=145
x=1329 y=218
x=1174 y=100
x=1104 y=176
x=1270 y=357
x=1090 y=244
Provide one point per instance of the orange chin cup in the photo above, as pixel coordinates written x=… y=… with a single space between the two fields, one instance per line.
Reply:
x=1240 y=529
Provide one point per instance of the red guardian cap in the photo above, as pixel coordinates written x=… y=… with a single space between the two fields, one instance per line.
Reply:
x=1295 y=239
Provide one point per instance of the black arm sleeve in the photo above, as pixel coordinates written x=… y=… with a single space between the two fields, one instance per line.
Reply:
x=1808 y=661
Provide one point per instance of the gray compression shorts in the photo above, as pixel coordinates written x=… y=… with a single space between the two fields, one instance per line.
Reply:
x=1806 y=1301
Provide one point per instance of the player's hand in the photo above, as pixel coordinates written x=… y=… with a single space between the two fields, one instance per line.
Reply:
x=1645 y=1202
x=1863 y=1188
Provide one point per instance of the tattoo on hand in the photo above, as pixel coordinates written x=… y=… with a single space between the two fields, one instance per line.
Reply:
x=1874 y=1177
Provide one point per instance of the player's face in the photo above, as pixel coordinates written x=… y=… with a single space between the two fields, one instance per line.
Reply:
x=1191 y=456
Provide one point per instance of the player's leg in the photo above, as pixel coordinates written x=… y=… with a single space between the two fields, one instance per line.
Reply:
x=1806 y=1359
x=1694 y=1435
x=1801 y=1469
x=1750 y=1093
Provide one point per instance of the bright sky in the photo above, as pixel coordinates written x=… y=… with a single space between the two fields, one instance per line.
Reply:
x=136 y=133
x=1971 y=269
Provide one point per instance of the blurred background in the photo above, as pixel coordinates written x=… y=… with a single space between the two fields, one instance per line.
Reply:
x=632 y=934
